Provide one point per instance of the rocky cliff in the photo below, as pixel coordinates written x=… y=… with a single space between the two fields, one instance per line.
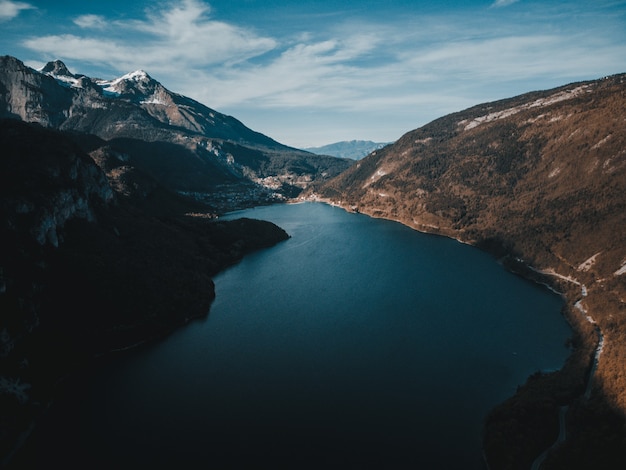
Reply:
x=538 y=180
x=96 y=256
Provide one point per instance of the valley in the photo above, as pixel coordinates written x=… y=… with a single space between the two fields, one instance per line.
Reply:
x=112 y=192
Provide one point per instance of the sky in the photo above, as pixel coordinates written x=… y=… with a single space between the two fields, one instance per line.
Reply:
x=313 y=72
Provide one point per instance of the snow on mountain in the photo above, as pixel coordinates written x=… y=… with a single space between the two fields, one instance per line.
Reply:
x=117 y=85
x=59 y=71
x=71 y=82
x=137 y=86
x=108 y=87
x=166 y=133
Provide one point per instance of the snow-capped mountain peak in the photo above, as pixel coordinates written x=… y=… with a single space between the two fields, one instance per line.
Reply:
x=137 y=84
x=137 y=76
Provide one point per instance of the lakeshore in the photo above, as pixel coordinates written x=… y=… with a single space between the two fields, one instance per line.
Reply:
x=319 y=351
x=561 y=388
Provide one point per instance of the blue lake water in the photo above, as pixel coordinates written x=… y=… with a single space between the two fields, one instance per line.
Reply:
x=357 y=343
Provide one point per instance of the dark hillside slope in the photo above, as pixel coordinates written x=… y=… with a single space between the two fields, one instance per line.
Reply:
x=94 y=257
x=540 y=180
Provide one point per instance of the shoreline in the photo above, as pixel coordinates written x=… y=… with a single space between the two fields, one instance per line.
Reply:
x=92 y=346
x=549 y=279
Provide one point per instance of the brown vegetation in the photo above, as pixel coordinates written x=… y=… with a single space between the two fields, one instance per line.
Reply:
x=539 y=179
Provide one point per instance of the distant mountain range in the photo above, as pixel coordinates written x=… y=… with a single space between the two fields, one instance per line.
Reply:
x=353 y=149
x=539 y=180
x=185 y=145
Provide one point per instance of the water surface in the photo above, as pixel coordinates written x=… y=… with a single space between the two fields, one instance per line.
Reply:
x=357 y=343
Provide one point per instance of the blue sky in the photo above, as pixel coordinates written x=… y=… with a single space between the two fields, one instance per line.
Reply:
x=312 y=72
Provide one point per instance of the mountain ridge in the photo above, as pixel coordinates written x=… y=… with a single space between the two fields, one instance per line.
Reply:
x=139 y=88
x=211 y=148
x=537 y=180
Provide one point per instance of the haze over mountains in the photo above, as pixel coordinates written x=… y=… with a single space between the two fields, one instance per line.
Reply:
x=354 y=149
x=94 y=221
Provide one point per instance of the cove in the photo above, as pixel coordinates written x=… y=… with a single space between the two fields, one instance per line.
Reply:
x=357 y=343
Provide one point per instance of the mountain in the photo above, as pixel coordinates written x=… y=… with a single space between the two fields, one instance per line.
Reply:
x=539 y=180
x=186 y=146
x=96 y=256
x=353 y=149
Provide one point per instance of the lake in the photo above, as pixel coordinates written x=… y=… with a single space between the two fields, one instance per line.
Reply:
x=356 y=343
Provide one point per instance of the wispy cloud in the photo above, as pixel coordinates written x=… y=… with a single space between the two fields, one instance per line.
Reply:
x=10 y=9
x=391 y=69
x=503 y=3
x=164 y=41
x=349 y=65
x=91 y=21
x=414 y=66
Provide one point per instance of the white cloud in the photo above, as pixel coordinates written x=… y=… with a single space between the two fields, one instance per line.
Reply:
x=10 y=9
x=168 y=39
x=503 y=3
x=339 y=74
x=317 y=74
x=425 y=66
x=518 y=57
x=186 y=34
x=91 y=21
x=68 y=46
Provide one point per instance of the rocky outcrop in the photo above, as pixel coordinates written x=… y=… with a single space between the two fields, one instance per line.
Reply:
x=31 y=97
x=56 y=183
